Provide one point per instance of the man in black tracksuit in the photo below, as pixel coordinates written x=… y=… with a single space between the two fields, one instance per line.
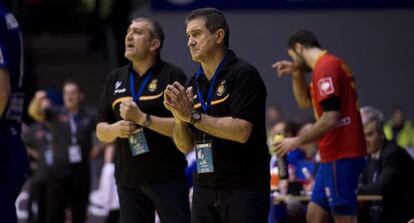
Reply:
x=222 y=115
x=149 y=170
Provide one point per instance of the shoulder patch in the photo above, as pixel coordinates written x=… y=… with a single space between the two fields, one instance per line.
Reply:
x=326 y=86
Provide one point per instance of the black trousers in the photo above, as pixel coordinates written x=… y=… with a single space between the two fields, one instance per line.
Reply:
x=13 y=170
x=170 y=200
x=237 y=205
x=38 y=192
x=70 y=191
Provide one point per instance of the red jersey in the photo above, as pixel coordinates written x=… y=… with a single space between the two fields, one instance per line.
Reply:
x=333 y=78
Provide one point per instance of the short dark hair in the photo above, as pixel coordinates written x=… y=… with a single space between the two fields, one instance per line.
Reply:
x=156 y=30
x=304 y=37
x=76 y=83
x=214 y=20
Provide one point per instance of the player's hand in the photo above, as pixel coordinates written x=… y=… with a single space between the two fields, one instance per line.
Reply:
x=40 y=95
x=168 y=103
x=130 y=111
x=284 y=67
x=190 y=94
x=124 y=129
x=285 y=146
x=179 y=100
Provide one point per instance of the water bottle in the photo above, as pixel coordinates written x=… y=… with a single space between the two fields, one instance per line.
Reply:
x=282 y=162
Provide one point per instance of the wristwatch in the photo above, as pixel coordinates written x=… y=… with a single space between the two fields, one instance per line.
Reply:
x=147 y=121
x=195 y=117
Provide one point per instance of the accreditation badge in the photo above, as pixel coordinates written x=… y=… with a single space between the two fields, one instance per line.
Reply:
x=204 y=157
x=75 y=154
x=138 y=143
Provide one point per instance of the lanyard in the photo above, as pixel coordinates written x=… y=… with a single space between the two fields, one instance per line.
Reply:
x=206 y=104
x=73 y=129
x=136 y=95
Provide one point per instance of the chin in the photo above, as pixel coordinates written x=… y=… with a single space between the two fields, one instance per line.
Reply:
x=195 y=58
x=127 y=55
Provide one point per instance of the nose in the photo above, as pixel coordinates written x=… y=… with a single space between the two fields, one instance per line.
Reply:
x=128 y=36
x=191 y=42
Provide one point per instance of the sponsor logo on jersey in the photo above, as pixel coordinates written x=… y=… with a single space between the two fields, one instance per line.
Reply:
x=326 y=86
x=117 y=85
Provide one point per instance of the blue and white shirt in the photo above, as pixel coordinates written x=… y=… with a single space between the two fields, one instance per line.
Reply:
x=11 y=59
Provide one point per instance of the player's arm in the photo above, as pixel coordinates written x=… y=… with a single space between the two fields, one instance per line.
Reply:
x=108 y=133
x=129 y=110
x=300 y=90
x=182 y=136
x=299 y=85
x=162 y=125
x=4 y=89
x=108 y=128
x=234 y=129
x=105 y=132
x=35 y=109
x=328 y=121
x=230 y=128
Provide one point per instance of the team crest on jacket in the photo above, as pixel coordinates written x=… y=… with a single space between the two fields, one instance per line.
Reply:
x=221 y=88
x=153 y=85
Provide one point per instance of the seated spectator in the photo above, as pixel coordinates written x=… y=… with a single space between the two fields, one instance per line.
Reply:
x=302 y=167
x=389 y=171
x=287 y=129
x=399 y=129
x=274 y=115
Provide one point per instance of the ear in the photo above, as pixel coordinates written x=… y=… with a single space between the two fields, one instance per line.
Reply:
x=220 y=36
x=155 y=44
x=298 y=48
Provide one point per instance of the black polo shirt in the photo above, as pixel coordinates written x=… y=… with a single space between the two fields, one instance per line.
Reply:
x=239 y=93
x=57 y=121
x=37 y=139
x=164 y=162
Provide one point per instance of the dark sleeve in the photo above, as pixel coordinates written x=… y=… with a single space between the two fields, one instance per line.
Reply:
x=331 y=104
x=29 y=137
x=50 y=113
x=363 y=178
x=105 y=113
x=390 y=168
x=190 y=83
x=248 y=95
x=178 y=75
